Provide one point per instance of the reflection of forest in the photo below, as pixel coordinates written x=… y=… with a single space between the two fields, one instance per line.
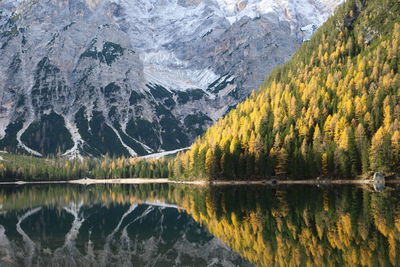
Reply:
x=285 y=226
x=305 y=226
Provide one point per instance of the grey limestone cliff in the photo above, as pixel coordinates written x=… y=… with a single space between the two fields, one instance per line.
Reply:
x=89 y=77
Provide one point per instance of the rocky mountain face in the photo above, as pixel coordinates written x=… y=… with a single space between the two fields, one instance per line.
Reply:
x=133 y=77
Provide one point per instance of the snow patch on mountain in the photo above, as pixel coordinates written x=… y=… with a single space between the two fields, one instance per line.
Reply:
x=164 y=68
x=4 y=121
x=315 y=11
x=164 y=153
x=138 y=65
x=128 y=148
x=164 y=21
x=73 y=152
x=21 y=144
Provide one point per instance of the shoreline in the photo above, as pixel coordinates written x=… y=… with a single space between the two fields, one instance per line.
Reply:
x=200 y=182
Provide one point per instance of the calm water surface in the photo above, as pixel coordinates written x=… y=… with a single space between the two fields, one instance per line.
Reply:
x=178 y=225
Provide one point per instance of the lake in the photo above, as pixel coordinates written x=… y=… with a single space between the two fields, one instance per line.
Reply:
x=186 y=225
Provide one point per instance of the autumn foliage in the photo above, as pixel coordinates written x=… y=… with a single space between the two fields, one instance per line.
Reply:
x=333 y=110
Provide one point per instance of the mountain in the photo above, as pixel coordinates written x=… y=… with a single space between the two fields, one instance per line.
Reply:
x=333 y=110
x=132 y=77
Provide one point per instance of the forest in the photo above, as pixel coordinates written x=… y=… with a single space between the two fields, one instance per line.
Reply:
x=29 y=168
x=333 y=110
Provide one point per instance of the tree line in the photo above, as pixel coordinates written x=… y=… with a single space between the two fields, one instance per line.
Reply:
x=27 y=168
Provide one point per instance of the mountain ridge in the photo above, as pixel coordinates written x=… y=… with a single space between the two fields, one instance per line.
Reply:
x=145 y=77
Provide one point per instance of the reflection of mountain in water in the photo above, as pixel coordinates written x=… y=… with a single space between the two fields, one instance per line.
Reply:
x=267 y=226
x=118 y=235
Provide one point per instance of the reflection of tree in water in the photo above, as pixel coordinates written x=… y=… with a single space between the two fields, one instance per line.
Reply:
x=297 y=225
x=140 y=235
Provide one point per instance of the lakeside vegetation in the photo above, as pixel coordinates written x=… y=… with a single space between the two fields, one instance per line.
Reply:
x=14 y=167
x=28 y=168
x=333 y=110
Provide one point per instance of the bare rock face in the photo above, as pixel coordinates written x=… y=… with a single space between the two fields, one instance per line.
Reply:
x=132 y=77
